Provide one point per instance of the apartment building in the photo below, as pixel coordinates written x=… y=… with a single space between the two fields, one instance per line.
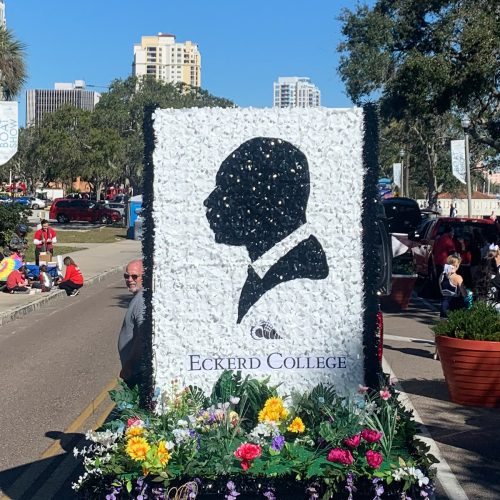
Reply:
x=41 y=102
x=167 y=60
x=295 y=91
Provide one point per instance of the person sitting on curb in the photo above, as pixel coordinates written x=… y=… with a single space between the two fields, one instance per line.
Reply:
x=131 y=333
x=44 y=282
x=73 y=279
x=17 y=282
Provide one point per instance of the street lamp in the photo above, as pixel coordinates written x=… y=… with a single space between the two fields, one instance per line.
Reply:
x=402 y=187
x=465 y=126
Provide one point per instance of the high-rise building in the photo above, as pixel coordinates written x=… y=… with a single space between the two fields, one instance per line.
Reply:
x=167 y=60
x=3 y=21
x=295 y=91
x=41 y=102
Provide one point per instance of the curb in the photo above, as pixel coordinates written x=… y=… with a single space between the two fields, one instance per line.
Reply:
x=19 y=312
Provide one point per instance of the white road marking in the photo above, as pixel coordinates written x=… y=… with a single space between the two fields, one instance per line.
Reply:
x=398 y=338
x=445 y=476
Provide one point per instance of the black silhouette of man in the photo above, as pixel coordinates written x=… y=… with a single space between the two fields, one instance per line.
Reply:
x=260 y=198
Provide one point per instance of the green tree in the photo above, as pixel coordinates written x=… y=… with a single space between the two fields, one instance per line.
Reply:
x=427 y=63
x=122 y=109
x=12 y=65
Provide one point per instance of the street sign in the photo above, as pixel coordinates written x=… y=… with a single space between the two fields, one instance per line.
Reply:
x=9 y=130
x=458 y=159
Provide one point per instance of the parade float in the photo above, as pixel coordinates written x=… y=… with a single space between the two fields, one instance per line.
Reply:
x=260 y=376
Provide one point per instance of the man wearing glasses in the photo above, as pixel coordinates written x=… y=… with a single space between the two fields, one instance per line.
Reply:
x=130 y=338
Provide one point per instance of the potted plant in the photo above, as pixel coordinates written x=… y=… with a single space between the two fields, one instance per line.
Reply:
x=403 y=282
x=468 y=343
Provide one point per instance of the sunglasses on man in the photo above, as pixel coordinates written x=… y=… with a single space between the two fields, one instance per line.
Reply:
x=133 y=276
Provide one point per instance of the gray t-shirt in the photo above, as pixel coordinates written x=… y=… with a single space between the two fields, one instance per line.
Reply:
x=131 y=328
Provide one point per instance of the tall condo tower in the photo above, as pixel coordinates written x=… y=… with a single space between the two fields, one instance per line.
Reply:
x=167 y=60
x=295 y=91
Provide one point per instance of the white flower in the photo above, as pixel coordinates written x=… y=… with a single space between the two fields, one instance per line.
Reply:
x=234 y=400
x=169 y=445
x=75 y=451
x=182 y=423
x=181 y=435
x=398 y=474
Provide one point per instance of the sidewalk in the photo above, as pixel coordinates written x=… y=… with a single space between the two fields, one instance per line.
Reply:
x=95 y=262
x=467 y=438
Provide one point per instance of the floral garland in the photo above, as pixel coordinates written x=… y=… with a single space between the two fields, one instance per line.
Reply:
x=257 y=443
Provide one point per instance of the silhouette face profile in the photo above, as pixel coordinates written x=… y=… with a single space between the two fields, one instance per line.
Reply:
x=260 y=195
x=260 y=198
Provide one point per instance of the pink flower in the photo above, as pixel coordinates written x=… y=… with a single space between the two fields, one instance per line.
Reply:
x=135 y=422
x=362 y=389
x=247 y=452
x=353 y=441
x=371 y=436
x=385 y=394
x=340 y=456
x=374 y=458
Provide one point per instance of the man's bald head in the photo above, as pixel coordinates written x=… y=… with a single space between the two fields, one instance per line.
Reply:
x=133 y=275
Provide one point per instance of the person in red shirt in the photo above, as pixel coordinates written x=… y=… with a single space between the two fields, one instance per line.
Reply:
x=443 y=247
x=16 y=281
x=73 y=279
x=44 y=240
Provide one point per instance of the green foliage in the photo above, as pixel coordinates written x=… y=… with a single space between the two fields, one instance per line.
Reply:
x=10 y=216
x=426 y=63
x=202 y=440
x=480 y=322
x=12 y=64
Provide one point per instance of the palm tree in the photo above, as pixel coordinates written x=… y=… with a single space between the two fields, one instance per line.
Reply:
x=12 y=65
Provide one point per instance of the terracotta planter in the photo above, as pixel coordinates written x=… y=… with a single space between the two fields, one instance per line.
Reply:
x=472 y=370
x=402 y=288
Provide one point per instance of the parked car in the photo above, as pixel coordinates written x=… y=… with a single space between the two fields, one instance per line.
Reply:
x=74 y=209
x=119 y=207
x=402 y=214
x=119 y=198
x=30 y=201
x=5 y=199
x=476 y=231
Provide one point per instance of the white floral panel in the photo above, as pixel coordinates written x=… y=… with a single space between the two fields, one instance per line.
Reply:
x=301 y=317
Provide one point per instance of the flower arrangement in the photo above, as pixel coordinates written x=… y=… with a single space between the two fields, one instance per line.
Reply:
x=244 y=441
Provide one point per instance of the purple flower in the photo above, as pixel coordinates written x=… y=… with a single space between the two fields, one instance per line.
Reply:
x=278 y=443
x=350 y=485
x=269 y=494
x=379 y=488
x=232 y=491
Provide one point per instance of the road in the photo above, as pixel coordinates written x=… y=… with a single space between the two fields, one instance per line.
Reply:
x=53 y=363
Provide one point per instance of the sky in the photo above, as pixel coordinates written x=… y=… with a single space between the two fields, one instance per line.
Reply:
x=245 y=45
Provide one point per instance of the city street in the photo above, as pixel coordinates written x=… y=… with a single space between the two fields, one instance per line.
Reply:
x=54 y=363
x=59 y=361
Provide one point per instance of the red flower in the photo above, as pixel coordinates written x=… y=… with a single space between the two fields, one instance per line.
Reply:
x=340 y=456
x=247 y=452
x=371 y=436
x=353 y=441
x=134 y=421
x=374 y=458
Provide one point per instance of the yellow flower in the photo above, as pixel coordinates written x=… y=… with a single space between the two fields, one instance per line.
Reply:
x=136 y=448
x=297 y=426
x=134 y=432
x=163 y=454
x=273 y=411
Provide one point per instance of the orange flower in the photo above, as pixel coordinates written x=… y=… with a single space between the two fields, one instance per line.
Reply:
x=163 y=453
x=297 y=426
x=137 y=448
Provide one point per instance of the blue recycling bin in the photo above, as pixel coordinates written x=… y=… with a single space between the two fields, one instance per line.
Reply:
x=134 y=203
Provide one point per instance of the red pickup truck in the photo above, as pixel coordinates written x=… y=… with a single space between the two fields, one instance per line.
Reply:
x=473 y=231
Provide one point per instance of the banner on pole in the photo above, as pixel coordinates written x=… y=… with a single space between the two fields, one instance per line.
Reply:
x=458 y=159
x=9 y=130
x=396 y=174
